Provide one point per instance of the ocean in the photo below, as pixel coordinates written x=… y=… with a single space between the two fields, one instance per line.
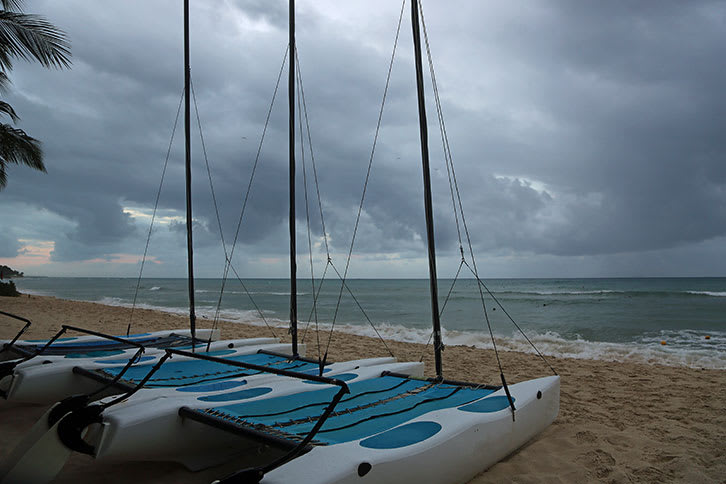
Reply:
x=604 y=319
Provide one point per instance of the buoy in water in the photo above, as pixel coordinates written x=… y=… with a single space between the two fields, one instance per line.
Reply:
x=663 y=342
x=708 y=336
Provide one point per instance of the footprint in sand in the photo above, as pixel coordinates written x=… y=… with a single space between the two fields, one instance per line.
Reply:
x=585 y=436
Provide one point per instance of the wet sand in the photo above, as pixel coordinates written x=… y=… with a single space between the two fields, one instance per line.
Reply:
x=618 y=422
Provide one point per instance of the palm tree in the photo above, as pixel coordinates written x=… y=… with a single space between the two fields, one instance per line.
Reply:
x=27 y=37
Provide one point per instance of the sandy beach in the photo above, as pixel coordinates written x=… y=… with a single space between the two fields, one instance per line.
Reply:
x=618 y=422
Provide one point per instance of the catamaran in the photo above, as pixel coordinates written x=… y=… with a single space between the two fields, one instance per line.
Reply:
x=91 y=343
x=361 y=421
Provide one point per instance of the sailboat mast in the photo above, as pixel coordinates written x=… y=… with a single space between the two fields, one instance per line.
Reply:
x=291 y=105
x=423 y=128
x=188 y=165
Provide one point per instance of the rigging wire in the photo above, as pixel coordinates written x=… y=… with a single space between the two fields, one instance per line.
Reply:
x=511 y=319
x=316 y=294
x=314 y=308
x=329 y=262
x=228 y=263
x=219 y=220
x=312 y=158
x=315 y=298
x=452 y=178
x=153 y=215
x=211 y=189
x=441 y=313
x=365 y=184
x=355 y=299
x=307 y=204
x=448 y=162
x=249 y=294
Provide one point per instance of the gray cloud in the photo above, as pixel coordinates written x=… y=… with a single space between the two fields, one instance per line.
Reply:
x=577 y=129
x=9 y=245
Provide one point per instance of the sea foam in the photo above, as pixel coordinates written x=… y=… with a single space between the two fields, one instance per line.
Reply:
x=708 y=293
x=685 y=347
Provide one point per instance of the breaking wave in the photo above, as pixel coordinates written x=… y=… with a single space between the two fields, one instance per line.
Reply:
x=684 y=348
x=708 y=293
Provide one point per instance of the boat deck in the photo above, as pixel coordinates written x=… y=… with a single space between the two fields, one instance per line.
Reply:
x=372 y=406
x=98 y=348
x=185 y=374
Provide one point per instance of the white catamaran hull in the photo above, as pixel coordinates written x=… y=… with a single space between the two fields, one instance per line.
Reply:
x=153 y=430
x=113 y=359
x=46 y=384
x=8 y=354
x=466 y=444
x=147 y=426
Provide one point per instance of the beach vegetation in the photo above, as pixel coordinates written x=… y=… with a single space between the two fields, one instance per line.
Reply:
x=8 y=289
x=27 y=37
x=7 y=272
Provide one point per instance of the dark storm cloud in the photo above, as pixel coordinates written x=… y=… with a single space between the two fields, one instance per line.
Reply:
x=9 y=245
x=627 y=132
x=577 y=128
x=646 y=101
x=99 y=225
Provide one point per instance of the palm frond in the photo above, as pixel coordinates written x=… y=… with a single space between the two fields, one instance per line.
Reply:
x=4 y=82
x=14 y=5
x=17 y=147
x=8 y=110
x=29 y=37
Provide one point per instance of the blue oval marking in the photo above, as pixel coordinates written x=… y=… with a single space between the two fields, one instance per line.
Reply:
x=239 y=395
x=125 y=360
x=402 y=436
x=213 y=387
x=487 y=405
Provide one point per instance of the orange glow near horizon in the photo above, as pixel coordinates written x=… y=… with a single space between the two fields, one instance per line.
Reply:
x=33 y=253
x=36 y=253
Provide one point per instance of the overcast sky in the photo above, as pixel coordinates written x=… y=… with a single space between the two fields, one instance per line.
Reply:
x=588 y=138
